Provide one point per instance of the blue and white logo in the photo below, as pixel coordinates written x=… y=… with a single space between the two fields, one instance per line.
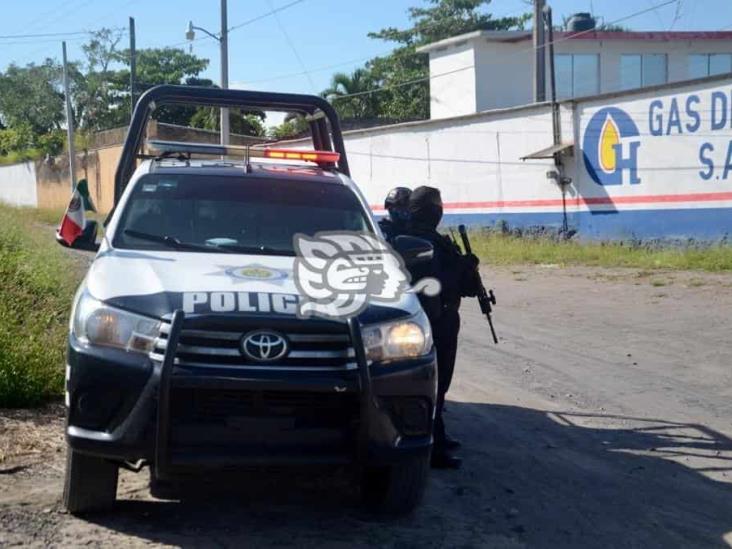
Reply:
x=609 y=149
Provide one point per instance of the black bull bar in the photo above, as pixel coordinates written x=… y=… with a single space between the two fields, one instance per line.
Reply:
x=162 y=454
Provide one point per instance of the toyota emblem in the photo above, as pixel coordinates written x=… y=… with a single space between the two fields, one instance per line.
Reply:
x=264 y=346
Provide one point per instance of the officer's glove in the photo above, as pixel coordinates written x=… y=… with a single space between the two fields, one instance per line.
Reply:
x=471 y=261
x=470 y=281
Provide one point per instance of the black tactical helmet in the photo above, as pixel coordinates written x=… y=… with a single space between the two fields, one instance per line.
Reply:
x=425 y=207
x=397 y=198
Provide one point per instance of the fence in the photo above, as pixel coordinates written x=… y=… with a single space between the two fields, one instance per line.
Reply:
x=645 y=164
x=651 y=163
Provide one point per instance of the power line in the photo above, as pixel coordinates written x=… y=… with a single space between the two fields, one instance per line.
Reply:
x=293 y=48
x=49 y=41
x=361 y=59
x=264 y=15
x=556 y=41
x=43 y=35
x=240 y=25
x=53 y=11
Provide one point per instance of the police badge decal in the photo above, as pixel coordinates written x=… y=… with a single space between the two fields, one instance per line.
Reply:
x=339 y=273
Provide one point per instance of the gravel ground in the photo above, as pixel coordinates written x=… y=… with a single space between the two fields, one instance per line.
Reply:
x=602 y=419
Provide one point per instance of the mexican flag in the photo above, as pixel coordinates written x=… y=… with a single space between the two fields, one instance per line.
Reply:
x=74 y=221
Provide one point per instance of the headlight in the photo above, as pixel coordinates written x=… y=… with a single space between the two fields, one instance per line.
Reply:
x=95 y=323
x=407 y=338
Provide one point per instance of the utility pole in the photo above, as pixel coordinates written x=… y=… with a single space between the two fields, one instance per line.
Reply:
x=556 y=127
x=223 y=38
x=69 y=122
x=224 y=42
x=539 y=53
x=562 y=180
x=133 y=66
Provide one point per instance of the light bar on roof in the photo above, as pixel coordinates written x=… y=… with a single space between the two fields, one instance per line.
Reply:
x=172 y=147
x=294 y=154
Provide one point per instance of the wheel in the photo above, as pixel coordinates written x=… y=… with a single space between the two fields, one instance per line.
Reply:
x=90 y=484
x=395 y=490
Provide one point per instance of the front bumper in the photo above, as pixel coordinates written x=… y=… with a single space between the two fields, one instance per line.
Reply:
x=128 y=407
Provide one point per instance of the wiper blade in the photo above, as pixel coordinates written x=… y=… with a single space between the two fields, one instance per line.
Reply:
x=170 y=241
x=265 y=250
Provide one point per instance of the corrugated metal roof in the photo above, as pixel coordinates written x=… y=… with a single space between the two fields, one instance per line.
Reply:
x=549 y=152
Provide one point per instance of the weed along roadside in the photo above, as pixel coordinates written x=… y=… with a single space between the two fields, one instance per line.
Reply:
x=511 y=398
x=38 y=282
x=495 y=248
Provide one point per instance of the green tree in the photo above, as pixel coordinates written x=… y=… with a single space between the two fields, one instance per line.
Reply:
x=348 y=93
x=94 y=88
x=30 y=97
x=403 y=73
x=240 y=122
x=15 y=139
x=161 y=66
x=294 y=125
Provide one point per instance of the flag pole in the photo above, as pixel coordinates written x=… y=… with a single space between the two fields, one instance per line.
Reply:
x=69 y=122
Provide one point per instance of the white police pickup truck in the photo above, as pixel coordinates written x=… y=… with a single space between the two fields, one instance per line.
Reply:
x=186 y=352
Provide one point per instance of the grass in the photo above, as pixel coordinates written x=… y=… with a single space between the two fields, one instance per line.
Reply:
x=53 y=216
x=38 y=283
x=497 y=249
x=39 y=279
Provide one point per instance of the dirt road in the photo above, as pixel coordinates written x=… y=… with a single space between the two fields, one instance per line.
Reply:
x=603 y=418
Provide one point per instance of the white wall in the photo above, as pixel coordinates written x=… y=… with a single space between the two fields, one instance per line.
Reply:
x=454 y=93
x=18 y=184
x=504 y=74
x=474 y=160
x=676 y=141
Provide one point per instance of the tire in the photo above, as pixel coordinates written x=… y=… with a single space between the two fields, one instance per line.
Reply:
x=395 y=490
x=162 y=489
x=90 y=484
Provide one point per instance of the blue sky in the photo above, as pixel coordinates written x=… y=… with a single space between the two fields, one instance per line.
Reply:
x=325 y=33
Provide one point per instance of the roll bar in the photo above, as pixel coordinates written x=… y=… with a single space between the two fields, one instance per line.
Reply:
x=326 y=136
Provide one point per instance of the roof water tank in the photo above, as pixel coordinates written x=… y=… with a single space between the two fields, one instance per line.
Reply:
x=580 y=22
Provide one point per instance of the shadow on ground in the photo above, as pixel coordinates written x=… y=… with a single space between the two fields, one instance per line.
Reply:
x=530 y=477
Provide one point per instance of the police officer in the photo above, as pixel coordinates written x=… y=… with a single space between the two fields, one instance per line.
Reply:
x=395 y=223
x=458 y=276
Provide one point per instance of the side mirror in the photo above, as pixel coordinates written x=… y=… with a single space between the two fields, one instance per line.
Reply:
x=413 y=250
x=86 y=240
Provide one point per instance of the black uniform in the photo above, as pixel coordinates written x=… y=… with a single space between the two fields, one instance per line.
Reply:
x=457 y=276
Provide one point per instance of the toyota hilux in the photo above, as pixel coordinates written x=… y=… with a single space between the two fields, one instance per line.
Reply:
x=185 y=351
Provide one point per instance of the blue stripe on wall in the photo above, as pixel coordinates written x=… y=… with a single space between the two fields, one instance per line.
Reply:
x=698 y=223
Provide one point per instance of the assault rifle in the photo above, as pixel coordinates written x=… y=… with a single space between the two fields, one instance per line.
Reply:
x=486 y=299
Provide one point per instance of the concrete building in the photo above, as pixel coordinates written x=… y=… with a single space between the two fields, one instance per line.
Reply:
x=485 y=70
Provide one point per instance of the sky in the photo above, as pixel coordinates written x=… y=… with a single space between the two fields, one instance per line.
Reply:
x=300 y=48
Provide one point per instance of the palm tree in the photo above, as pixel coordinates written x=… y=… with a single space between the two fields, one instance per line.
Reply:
x=349 y=94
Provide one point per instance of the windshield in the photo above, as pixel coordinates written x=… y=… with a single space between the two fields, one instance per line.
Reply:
x=229 y=214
